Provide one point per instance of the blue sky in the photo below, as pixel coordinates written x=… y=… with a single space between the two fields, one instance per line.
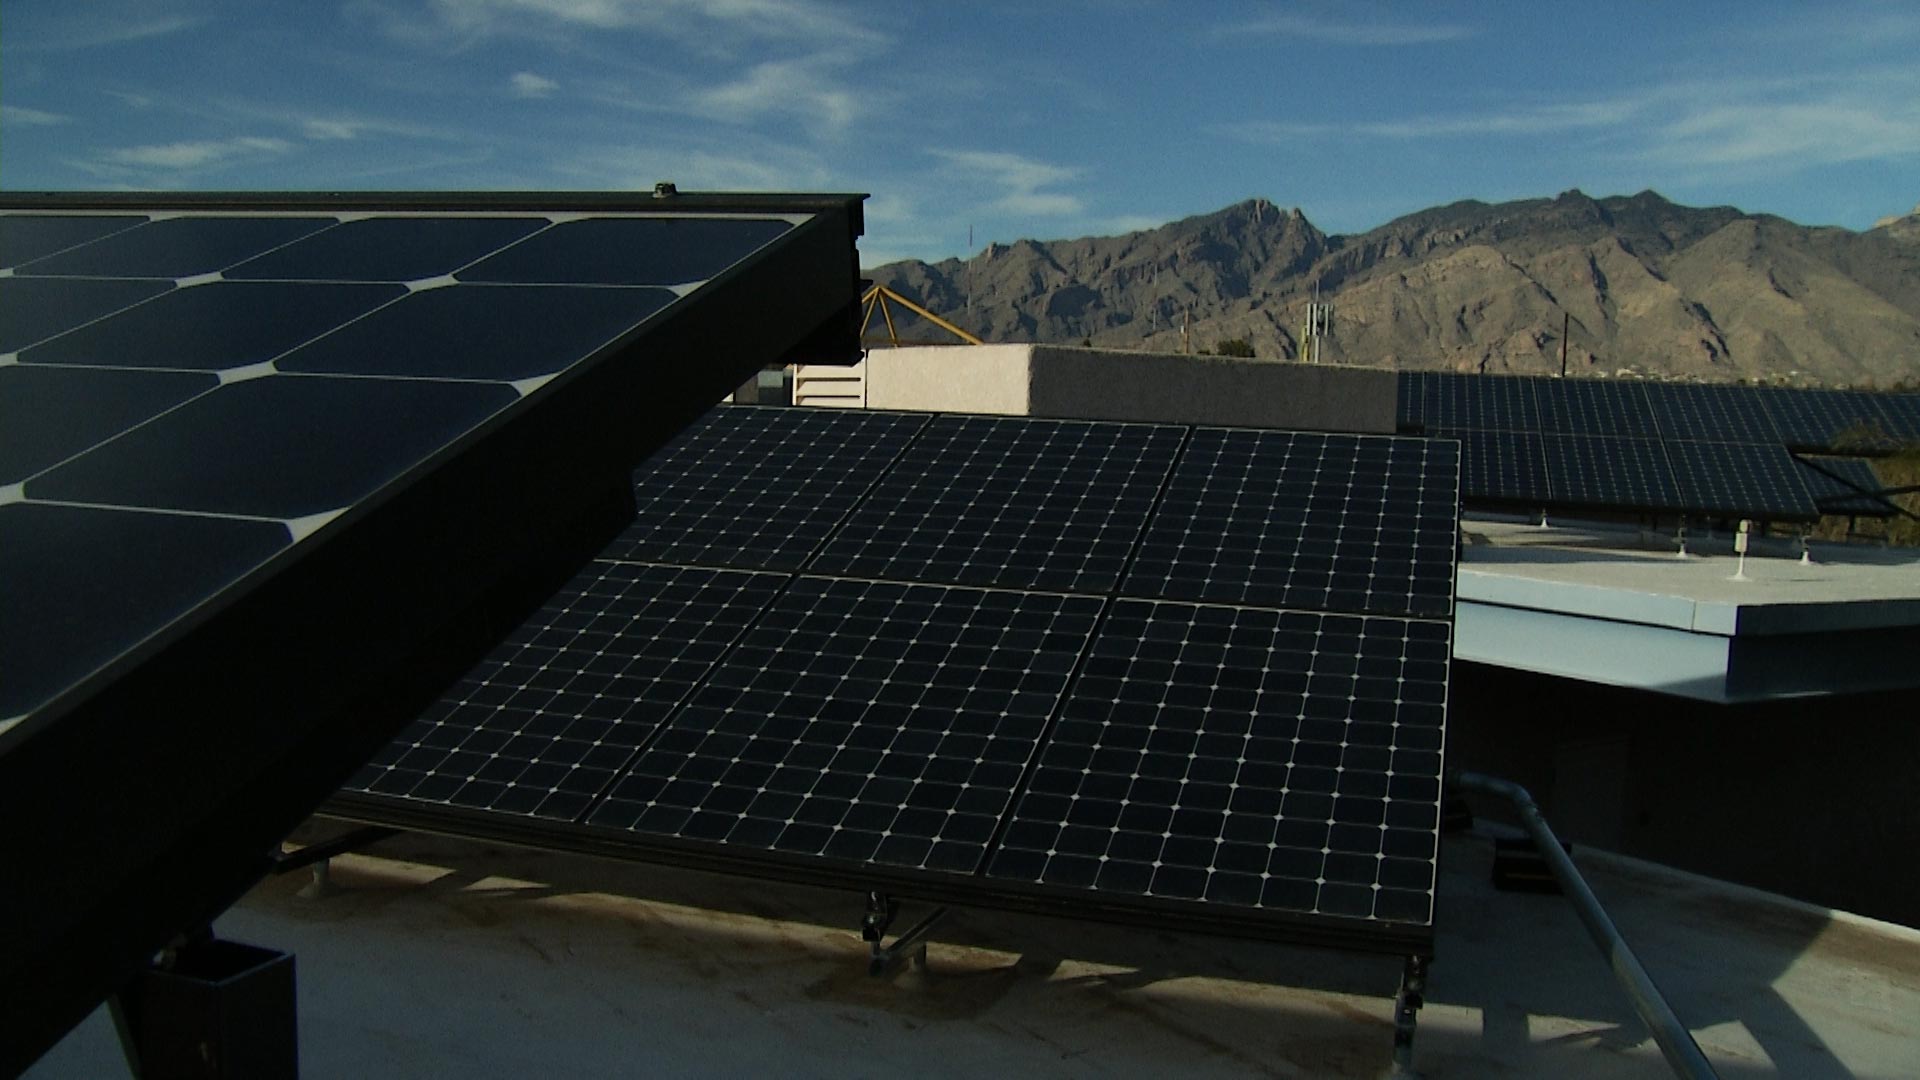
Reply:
x=1022 y=119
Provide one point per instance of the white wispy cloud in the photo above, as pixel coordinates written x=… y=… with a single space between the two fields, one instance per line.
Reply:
x=195 y=154
x=1018 y=179
x=25 y=117
x=1333 y=32
x=745 y=165
x=802 y=89
x=526 y=84
x=784 y=20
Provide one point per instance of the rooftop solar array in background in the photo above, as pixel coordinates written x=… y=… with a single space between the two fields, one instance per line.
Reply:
x=1842 y=486
x=1648 y=447
x=171 y=381
x=986 y=671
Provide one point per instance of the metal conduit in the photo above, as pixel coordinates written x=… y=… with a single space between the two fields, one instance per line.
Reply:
x=1675 y=1041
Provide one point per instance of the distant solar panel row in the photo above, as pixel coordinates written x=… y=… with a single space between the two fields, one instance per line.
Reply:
x=988 y=668
x=1653 y=447
x=1804 y=420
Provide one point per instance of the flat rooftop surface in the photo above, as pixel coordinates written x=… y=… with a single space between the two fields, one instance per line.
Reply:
x=1643 y=562
x=436 y=957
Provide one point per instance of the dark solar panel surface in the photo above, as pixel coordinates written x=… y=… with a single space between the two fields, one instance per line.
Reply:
x=1593 y=470
x=1255 y=758
x=138 y=383
x=1038 y=504
x=741 y=488
x=867 y=721
x=1740 y=480
x=892 y=720
x=1283 y=519
x=1684 y=412
x=1594 y=407
x=548 y=720
x=1502 y=466
x=1902 y=416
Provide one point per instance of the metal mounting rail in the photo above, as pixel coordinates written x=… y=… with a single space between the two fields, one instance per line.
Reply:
x=1675 y=1041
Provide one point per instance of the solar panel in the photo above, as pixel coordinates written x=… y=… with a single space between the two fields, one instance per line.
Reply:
x=991 y=501
x=295 y=456
x=1592 y=470
x=1448 y=401
x=1595 y=407
x=1740 y=480
x=1836 y=485
x=759 y=488
x=1280 y=760
x=872 y=722
x=1284 y=519
x=549 y=718
x=1721 y=414
x=151 y=383
x=1502 y=466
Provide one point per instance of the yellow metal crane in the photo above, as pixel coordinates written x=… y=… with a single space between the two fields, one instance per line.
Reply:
x=879 y=298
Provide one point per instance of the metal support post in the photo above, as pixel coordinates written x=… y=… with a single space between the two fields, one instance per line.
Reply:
x=881 y=911
x=1406 y=1013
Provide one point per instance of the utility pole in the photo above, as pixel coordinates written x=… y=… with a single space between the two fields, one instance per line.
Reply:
x=1565 y=320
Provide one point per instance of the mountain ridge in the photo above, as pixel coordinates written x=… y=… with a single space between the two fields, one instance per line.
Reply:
x=1645 y=286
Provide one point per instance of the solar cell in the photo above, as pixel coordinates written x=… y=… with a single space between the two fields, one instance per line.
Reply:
x=1281 y=760
x=1740 y=480
x=26 y=237
x=1502 y=466
x=214 y=327
x=1284 y=519
x=1714 y=413
x=176 y=247
x=758 y=488
x=1592 y=470
x=629 y=251
x=1501 y=403
x=35 y=309
x=48 y=414
x=550 y=717
x=1411 y=414
x=991 y=501
x=396 y=249
x=871 y=722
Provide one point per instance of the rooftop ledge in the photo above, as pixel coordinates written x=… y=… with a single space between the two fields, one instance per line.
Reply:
x=1621 y=607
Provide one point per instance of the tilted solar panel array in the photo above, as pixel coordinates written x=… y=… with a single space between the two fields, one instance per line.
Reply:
x=274 y=467
x=1716 y=450
x=1172 y=672
x=178 y=381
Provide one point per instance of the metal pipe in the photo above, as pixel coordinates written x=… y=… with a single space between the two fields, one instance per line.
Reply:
x=1675 y=1041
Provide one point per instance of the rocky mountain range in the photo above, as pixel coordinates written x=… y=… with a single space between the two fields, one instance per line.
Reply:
x=1643 y=286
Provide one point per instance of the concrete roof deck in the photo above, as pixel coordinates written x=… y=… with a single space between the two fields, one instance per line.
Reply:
x=442 y=957
x=1620 y=606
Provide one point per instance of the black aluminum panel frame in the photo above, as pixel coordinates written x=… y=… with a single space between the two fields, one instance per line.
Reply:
x=354 y=630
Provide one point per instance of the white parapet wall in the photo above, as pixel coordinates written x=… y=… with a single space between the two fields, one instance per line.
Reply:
x=1109 y=384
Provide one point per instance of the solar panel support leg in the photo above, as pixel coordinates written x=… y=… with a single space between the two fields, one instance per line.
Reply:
x=1406 y=1014
x=912 y=942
